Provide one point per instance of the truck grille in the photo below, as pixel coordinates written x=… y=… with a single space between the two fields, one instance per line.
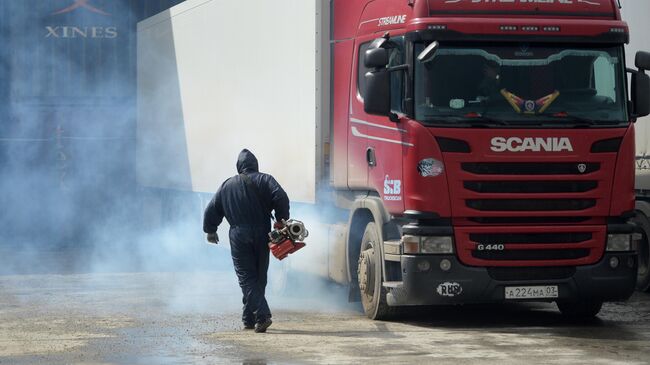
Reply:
x=511 y=187
x=501 y=187
x=531 y=255
x=530 y=187
x=534 y=208
x=527 y=205
x=549 y=246
x=528 y=220
x=530 y=168
x=543 y=246
x=503 y=238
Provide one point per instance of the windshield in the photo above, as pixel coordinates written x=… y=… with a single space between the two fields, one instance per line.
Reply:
x=520 y=84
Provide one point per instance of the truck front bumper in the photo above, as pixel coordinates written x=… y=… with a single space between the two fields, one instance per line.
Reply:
x=462 y=284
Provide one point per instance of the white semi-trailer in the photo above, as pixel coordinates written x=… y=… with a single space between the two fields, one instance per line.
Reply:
x=215 y=77
x=637 y=12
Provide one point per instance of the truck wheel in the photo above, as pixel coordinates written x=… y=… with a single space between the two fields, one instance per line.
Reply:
x=583 y=309
x=643 y=276
x=369 y=274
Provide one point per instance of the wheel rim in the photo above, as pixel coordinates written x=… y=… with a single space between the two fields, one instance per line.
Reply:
x=366 y=272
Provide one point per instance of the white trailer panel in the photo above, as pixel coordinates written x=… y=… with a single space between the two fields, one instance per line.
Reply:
x=217 y=76
x=636 y=13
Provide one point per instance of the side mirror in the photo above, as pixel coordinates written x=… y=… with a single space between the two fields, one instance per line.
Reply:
x=376 y=58
x=640 y=93
x=376 y=100
x=642 y=60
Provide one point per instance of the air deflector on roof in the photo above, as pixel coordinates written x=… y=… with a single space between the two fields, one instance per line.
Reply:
x=546 y=8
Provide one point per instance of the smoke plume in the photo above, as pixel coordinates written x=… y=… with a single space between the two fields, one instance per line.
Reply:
x=69 y=197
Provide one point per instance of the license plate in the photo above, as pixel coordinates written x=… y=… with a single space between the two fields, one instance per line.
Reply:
x=531 y=292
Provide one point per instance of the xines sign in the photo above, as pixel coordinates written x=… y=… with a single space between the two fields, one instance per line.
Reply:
x=83 y=32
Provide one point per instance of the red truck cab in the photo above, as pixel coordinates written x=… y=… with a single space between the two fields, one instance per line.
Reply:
x=487 y=148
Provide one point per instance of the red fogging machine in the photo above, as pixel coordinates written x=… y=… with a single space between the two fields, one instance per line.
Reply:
x=286 y=238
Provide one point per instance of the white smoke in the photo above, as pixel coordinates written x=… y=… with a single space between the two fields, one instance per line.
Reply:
x=68 y=194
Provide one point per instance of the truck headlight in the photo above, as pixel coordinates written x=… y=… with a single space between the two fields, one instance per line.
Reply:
x=437 y=245
x=428 y=244
x=620 y=242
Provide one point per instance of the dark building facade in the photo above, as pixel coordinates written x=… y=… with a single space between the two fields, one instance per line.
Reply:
x=67 y=111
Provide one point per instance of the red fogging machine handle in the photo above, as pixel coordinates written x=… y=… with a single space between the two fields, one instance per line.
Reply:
x=285 y=248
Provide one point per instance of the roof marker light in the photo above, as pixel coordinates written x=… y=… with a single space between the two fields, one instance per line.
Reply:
x=530 y=28
x=551 y=29
x=437 y=27
x=617 y=30
x=508 y=28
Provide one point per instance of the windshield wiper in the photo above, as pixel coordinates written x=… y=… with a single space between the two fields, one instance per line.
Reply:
x=573 y=119
x=492 y=120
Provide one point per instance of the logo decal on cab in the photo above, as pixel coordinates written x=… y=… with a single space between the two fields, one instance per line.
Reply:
x=518 y=144
x=392 y=20
x=392 y=189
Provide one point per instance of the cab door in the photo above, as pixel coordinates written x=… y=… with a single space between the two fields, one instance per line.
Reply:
x=357 y=141
x=380 y=142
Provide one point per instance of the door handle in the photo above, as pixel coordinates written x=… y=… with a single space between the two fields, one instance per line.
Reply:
x=370 y=157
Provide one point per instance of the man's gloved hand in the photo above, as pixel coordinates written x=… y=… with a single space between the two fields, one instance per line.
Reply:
x=278 y=225
x=213 y=238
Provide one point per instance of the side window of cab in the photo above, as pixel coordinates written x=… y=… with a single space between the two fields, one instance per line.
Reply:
x=395 y=58
x=604 y=79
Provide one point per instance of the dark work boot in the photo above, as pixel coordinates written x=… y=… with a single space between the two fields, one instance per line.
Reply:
x=249 y=326
x=260 y=327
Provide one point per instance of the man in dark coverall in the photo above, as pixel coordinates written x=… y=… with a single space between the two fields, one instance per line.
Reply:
x=246 y=200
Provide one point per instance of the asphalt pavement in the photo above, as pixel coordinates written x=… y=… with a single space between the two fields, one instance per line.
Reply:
x=193 y=318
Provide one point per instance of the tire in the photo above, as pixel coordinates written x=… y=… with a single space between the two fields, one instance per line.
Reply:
x=643 y=250
x=586 y=309
x=369 y=275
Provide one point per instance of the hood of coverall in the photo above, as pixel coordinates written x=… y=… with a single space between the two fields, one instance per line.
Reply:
x=247 y=162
